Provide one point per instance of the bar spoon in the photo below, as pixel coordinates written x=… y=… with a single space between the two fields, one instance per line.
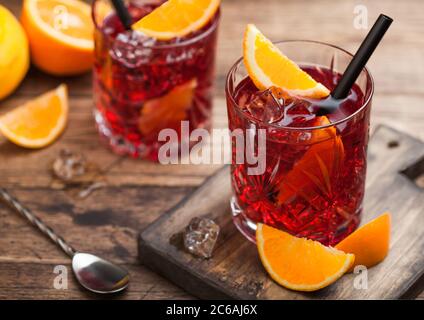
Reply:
x=93 y=273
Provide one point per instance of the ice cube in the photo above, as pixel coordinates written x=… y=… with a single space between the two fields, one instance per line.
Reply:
x=298 y=112
x=267 y=106
x=200 y=237
x=132 y=48
x=296 y=106
x=69 y=165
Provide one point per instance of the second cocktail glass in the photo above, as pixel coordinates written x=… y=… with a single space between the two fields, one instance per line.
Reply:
x=143 y=85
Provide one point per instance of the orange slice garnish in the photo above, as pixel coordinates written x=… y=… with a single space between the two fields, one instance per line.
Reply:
x=268 y=66
x=298 y=263
x=38 y=122
x=167 y=111
x=60 y=34
x=177 y=18
x=370 y=243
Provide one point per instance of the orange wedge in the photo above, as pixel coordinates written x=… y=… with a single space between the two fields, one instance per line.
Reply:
x=60 y=34
x=38 y=122
x=369 y=243
x=268 y=66
x=323 y=133
x=298 y=263
x=167 y=111
x=177 y=18
x=310 y=177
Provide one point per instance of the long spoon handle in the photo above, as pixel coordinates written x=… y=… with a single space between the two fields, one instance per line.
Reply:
x=31 y=217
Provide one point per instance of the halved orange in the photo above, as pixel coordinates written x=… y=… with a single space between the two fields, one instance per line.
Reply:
x=14 y=53
x=38 y=122
x=298 y=263
x=177 y=18
x=167 y=111
x=370 y=243
x=60 y=34
x=268 y=66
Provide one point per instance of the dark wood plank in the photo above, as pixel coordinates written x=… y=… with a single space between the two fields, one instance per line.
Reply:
x=34 y=280
x=235 y=270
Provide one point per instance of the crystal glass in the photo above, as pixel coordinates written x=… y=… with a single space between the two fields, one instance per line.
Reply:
x=143 y=85
x=314 y=177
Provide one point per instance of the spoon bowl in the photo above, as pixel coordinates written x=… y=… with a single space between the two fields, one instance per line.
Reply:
x=98 y=275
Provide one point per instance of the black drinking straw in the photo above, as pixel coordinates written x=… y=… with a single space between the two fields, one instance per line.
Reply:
x=123 y=13
x=361 y=57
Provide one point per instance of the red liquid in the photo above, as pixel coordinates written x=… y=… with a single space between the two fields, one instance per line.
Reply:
x=137 y=80
x=313 y=185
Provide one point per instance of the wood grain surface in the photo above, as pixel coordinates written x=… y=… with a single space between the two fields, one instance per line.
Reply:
x=138 y=192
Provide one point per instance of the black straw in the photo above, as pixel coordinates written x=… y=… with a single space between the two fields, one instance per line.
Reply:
x=123 y=13
x=361 y=57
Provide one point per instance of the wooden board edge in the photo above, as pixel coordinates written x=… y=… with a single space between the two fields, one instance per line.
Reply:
x=383 y=126
x=415 y=287
x=158 y=262
x=187 y=280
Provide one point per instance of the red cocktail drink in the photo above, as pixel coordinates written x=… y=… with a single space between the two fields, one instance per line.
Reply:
x=143 y=85
x=315 y=165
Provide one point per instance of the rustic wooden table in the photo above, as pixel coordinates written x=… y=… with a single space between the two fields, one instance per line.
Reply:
x=107 y=222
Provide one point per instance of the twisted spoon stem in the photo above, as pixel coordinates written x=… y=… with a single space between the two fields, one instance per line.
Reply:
x=31 y=217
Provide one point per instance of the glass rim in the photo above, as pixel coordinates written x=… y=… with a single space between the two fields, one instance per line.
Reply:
x=189 y=41
x=275 y=126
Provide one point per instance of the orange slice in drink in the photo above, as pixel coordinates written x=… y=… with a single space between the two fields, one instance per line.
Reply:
x=38 y=122
x=324 y=133
x=167 y=111
x=60 y=34
x=177 y=18
x=369 y=243
x=310 y=177
x=298 y=263
x=268 y=66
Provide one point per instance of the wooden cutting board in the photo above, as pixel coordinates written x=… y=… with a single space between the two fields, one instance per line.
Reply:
x=394 y=183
